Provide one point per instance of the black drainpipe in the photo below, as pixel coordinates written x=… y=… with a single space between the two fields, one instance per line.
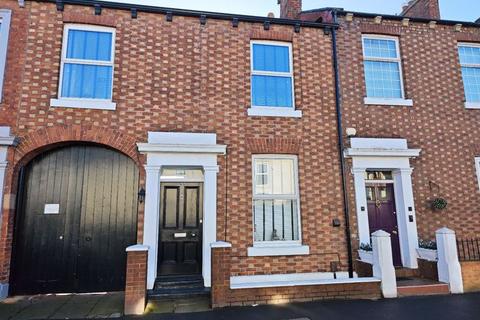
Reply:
x=341 y=146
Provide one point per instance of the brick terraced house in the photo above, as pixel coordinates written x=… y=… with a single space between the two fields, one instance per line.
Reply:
x=171 y=152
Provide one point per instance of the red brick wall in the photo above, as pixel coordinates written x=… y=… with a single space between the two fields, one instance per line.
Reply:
x=290 y=9
x=223 y=296
x=428 y=9
x=136 y=282
x=438 y=122
x=184 y=76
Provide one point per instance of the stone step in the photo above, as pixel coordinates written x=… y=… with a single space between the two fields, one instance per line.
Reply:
x=178 y=293
x=406 y=273
x=420 y=287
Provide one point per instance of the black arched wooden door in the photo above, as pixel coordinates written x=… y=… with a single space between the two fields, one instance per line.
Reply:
x=77 y=214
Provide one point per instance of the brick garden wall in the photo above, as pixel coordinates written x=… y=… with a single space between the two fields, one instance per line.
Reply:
x=136 y=282
x=470 y=275
x=223 y=296
x=438 y=122
x=183 y=76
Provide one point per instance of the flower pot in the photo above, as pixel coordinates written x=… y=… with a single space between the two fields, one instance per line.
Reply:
x=427 y=254
x=366 y=256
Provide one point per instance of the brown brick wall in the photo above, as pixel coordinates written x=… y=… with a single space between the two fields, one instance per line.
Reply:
x=438 y=122
x=136 y=282
x=184 y=76
x=470 y=272
x=428 y=9
x=290 y=9
x=223 y=296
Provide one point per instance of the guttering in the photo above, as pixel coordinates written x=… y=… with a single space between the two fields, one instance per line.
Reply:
x=338 y=104
x=192 y=13
x=343 y=12
x=412 y=19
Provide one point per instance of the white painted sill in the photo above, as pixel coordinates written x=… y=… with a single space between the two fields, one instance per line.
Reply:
x=274 y=112
x=292 y=280
x=472 y=105
x=388 y=102
x=278 y=250
x=83 y=104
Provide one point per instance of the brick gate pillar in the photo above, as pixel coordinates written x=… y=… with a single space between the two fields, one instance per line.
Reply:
x=221 y=262
x=136 y=282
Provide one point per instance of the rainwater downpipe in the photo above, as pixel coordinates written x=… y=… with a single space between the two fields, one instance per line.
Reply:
x=338 y=104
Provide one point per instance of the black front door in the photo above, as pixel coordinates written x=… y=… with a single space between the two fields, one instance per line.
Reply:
x=180 y=237
x=382 y=215
x=77 y=214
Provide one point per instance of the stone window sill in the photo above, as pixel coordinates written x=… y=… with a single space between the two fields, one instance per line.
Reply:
x=388 y=102
x=472 y=105
x=83 y=104
x=274 y=112
x=279 y=250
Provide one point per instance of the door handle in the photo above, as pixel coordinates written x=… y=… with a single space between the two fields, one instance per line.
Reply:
x=88 y=238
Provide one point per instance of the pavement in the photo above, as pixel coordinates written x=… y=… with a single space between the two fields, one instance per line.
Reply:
x=63 y=306
x=451 y=307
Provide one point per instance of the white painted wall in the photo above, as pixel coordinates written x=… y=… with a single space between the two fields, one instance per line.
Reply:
x=165 y=149
x=394 y=155
x=5 y=141
x=449 y=268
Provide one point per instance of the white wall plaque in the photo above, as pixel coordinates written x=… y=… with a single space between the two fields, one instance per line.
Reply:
x=52 y=208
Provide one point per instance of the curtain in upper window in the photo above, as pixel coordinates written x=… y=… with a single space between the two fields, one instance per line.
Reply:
x=272 y=77
x=87 y=64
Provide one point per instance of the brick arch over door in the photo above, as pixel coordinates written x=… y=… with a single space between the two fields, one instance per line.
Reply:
x=40 y=141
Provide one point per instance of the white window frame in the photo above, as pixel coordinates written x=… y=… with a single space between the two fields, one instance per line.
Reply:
x=274 y=111
x=378 y=100
x=85 y=103
x=277 y=248
x=5 y=17
x=477 y=168
x=468 y=104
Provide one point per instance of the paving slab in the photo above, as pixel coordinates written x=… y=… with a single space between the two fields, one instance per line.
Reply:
x=41 y=307
x=63 y=306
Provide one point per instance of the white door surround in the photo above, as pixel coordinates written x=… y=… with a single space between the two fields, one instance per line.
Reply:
x=180 y=150
x=392 y=155
x=6 y=140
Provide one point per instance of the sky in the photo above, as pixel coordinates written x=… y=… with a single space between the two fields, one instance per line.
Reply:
x=460 y=10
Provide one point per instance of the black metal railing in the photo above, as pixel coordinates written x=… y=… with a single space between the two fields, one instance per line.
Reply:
x=468 y=249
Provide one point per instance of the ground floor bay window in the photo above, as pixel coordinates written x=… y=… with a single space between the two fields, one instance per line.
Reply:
x=276 y=207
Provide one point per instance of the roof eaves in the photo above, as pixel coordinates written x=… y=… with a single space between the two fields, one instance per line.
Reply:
x=413 y=19
x=193 y=13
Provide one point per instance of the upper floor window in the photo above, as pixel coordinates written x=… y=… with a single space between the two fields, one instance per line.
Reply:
x=383 y=69
x=5 y=15
x=275 y=199
x=470 y=62
x=272 y=77
x=86 y=74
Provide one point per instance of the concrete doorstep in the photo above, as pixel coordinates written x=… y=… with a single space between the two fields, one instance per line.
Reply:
x=63 y=306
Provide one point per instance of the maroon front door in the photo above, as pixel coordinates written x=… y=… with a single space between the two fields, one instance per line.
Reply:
x=382 y=215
